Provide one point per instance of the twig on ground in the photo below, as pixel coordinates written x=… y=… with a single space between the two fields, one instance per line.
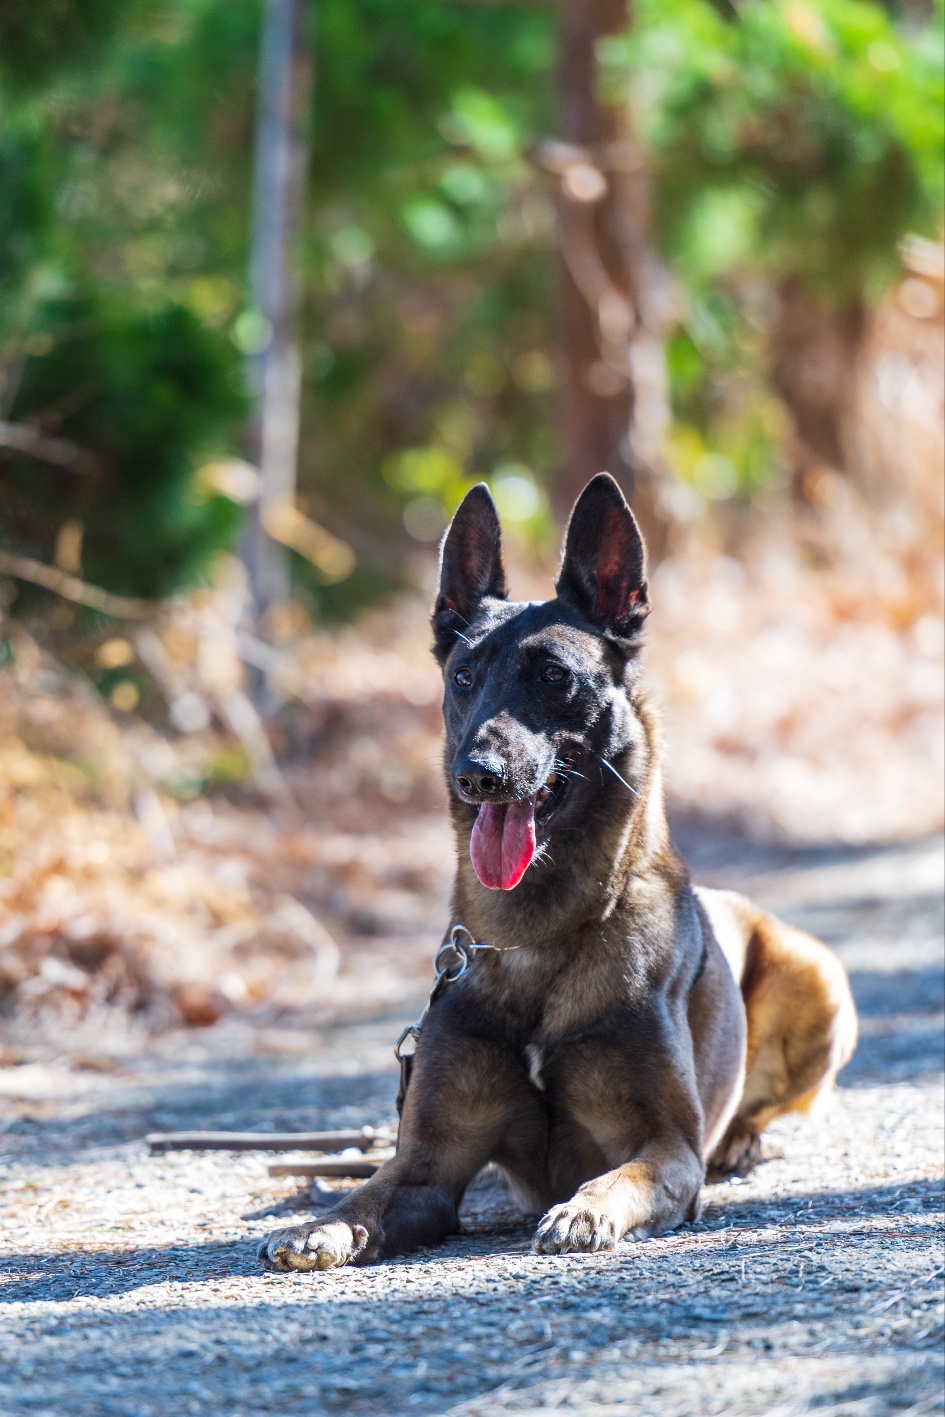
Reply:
x=364 y=1137
x=332 y=1166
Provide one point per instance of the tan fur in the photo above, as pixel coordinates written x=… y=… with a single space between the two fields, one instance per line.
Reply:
x=802 y=1025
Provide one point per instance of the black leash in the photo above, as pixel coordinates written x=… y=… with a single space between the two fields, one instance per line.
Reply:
x=450 y=963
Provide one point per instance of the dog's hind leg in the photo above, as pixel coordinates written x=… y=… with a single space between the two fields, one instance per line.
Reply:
x=801 y=1021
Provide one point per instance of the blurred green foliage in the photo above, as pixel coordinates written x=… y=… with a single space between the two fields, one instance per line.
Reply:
x=428 y=321
x=803 y=136
x=786 y=138
x=796 y=136
x=99 y=343
x=37 y=40
x=430 y=288
x=149 y=392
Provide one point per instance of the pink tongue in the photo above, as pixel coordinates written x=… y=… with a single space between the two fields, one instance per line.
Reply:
x=503 y=843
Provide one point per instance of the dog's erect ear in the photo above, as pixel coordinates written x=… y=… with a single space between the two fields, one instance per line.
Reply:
x=603 y=570
x=470 y=567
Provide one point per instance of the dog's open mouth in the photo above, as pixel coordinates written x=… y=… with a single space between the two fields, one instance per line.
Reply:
x=504 y=837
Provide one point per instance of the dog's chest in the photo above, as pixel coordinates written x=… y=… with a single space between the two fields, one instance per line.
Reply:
x=535 y=1058
x=550 y=1008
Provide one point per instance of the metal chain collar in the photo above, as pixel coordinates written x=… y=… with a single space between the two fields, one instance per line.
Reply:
x=450 y=963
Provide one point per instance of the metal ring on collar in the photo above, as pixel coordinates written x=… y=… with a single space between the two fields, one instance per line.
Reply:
x=457 y=929
x=443 y=971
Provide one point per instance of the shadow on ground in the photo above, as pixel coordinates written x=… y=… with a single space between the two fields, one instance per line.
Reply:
x=40 y=1278
x=769 y=1291
x=817 y=1284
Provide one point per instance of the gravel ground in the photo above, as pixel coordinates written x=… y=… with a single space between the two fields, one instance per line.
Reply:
x=128 y=1284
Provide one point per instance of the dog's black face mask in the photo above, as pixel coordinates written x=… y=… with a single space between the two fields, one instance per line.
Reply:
x=536 y=704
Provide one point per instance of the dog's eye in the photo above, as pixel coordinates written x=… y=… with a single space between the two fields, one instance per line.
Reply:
x=463 y=677
x=553 y=673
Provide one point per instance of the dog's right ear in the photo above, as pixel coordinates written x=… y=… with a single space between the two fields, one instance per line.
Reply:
x=471 y=568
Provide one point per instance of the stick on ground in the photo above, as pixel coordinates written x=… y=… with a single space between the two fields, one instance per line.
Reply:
x=332 y=1166
x=364 y=1137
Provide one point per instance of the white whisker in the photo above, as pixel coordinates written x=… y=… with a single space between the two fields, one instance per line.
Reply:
x=616 y=774
x=564 y=769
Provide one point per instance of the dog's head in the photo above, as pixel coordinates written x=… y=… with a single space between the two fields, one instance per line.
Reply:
x=539 y=724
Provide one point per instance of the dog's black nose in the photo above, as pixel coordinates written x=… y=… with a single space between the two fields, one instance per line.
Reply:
x=477 y=778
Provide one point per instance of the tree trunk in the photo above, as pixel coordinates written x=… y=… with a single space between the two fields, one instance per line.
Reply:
x=616 y=301
x=815 y=349
x=279 y=180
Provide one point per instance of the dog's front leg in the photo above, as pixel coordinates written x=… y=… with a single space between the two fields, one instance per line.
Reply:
x=464 y=1094
x=410 y=1201
x=656 y=1191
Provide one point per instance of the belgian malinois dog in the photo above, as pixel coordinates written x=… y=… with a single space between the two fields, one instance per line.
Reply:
x=625 y=1031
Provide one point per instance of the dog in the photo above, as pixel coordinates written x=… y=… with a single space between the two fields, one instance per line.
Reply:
x=624 y=1032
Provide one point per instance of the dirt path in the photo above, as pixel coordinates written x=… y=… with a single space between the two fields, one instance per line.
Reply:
x=128 y=1286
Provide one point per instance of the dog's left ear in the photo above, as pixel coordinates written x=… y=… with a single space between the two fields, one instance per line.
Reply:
x=471 y=568
x=603 y=569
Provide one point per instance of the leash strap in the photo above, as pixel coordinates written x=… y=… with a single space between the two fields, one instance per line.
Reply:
x=450 y=963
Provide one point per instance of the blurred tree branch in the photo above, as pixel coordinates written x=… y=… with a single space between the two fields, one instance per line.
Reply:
x=275 y=371
x=58 y=452
x=121 y=607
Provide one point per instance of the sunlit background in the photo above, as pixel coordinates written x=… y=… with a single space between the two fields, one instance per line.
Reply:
x=278 y=284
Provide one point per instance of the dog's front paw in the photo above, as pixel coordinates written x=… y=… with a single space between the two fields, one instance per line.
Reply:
x=575 y=1227
x=324 y=1245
